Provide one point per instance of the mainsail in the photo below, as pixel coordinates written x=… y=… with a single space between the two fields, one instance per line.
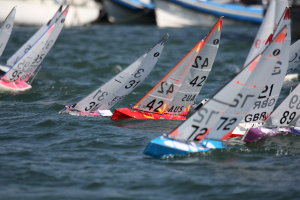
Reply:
x=25 y=47
x=266 y=101
x=6 y=29
x=228 y=106
x=123 y=83
x=177 y=91
x=26 y=66
x=287 y=111
x=269 y=24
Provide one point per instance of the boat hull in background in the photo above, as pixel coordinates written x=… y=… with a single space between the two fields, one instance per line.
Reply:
x=125 y=12
x=180 y=13
x=79 y=13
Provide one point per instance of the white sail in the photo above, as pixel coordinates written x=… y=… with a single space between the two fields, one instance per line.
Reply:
x=59 y=24
x=25 y=47
x=269 y=24
x=123 y=83
x=6 y=29
x=287 y=111
x=294 y=60
x=228 y=106
x=26 y=66
x=198 y=73
x=177 y=91
x=266 y=101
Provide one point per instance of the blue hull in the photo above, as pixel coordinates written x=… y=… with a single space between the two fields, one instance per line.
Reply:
x=231 y=11
x=163 y=147
x=134 y=5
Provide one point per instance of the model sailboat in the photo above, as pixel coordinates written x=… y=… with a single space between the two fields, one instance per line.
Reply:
x=266 y=101
x=23 y=66
x=210 y=124
x=101 y=100
x=6 y=29
x=283 y=120
x=174 y=95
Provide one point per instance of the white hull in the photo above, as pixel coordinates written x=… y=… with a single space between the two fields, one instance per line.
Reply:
x=169 y=14
x=38 y=12
x=172 y=15
x=121 y=15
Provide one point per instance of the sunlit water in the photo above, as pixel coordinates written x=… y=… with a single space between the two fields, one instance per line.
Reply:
x=51 y=156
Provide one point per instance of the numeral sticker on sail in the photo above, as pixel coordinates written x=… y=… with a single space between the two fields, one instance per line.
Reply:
x=197 y=83
x=164 y=85
x=198 y=63
x=153 y=107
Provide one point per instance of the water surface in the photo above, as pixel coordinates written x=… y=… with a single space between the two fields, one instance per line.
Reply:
x=51 y=156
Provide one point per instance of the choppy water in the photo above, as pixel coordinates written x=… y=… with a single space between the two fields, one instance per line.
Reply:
x=51 y=156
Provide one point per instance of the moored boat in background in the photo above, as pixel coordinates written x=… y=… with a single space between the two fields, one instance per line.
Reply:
x=179 y=13
x=129 y=11
x=37 y=12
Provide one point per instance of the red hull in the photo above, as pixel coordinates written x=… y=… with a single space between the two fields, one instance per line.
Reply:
x=127 y=113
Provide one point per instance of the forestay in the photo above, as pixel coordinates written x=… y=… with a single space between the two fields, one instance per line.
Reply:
x=122 y=84
x=33 y=39
x=228 y=106
x=287 y=111
x=267 y=99
x=6 y=29
x=25 y=68
x=177 y=91
x=269 y=24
